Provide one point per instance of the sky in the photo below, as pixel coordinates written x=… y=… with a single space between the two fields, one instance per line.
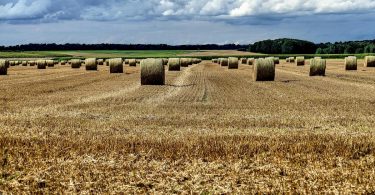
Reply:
x=184 y=21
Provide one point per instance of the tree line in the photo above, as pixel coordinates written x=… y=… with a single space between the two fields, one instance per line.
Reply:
x=104 y=46
x=295 y=46
x=277 y=46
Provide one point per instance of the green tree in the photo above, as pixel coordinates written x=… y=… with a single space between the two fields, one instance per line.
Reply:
x=319 y=51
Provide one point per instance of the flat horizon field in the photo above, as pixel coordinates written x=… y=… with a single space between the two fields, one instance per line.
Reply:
x=209 y=130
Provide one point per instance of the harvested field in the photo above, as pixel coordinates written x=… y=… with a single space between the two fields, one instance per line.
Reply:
x=209 y=130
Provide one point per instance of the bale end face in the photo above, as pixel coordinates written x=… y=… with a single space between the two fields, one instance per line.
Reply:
x=4 y=67
x=351 y=63
x=232 y=63
x=250 y=61
x=300 y=61
x=132 y=62
x=116 y=65
x=264 y=70
x=75 y=63
x=224 y=62
x=91 y=64
x=174 y=64
x=317 y=67
x=152 y=72
x=41 y=64
x=370 y=61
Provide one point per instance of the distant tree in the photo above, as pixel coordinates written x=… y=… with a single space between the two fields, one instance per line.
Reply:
x=359 y=50
x=319 y=51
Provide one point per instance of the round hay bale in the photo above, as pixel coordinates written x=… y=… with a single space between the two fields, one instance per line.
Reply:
x=101 y=61
x=224 y=62
x=32 y=63
x=41 y=64
x=291 y=59
x=12 y=63
x=351 y=63
x=300 y=61
x=50 y=63
x=232 y=63
x=174 y=64
x=317 y=67
x=132 y=62
x=55 y=62
x=250 y=61
x=287 y=59
x=264 y=70
x=318 y=57
x=91 y=64
x=126 y=61
x=152 y=72
x=116 y=65
x=75 y=63
x=370 y=61
x=63 y=62
x=184 y=62
x=4 y=65
x=243 y=60
x=24 y=63
x=138 y=61
x=5 y=62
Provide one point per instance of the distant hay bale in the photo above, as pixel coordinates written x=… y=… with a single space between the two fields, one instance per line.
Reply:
x=132 y=62
x=318 y=57
x=224 y=62
x=215 y=61
x=24 y=63
x=41 y=64
x=4 y=64
x=370 y=61
x=152 y=72
x=351 y=63
x=291 y=59
x=232 y=63
x=317 y=67
x=55 y=62
x=287 y=59
x=101 y=61
x=300 y=61
x=184 y=62
x=17 y=62
x=196 y=61
x=243 y=60
x=165 y=61
x=75 y=63
x=91 y=64
x=138 y=61
x=126 y=61
x=190 y=61
x=32 y=63
x=12 y=63
x=174 y=64
x=264 y=70
x=250 y=61
x=116 y=65
x=63 y=62
x=50 y=63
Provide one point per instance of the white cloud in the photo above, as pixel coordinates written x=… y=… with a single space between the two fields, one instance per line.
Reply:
x=173 y=9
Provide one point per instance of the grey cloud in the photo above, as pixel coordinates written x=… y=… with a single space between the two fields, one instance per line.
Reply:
x=99 y=10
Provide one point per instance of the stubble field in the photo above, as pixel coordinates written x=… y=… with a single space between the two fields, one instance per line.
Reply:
x=209 y=130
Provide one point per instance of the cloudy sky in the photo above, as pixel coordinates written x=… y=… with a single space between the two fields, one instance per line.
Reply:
x=184 y=21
